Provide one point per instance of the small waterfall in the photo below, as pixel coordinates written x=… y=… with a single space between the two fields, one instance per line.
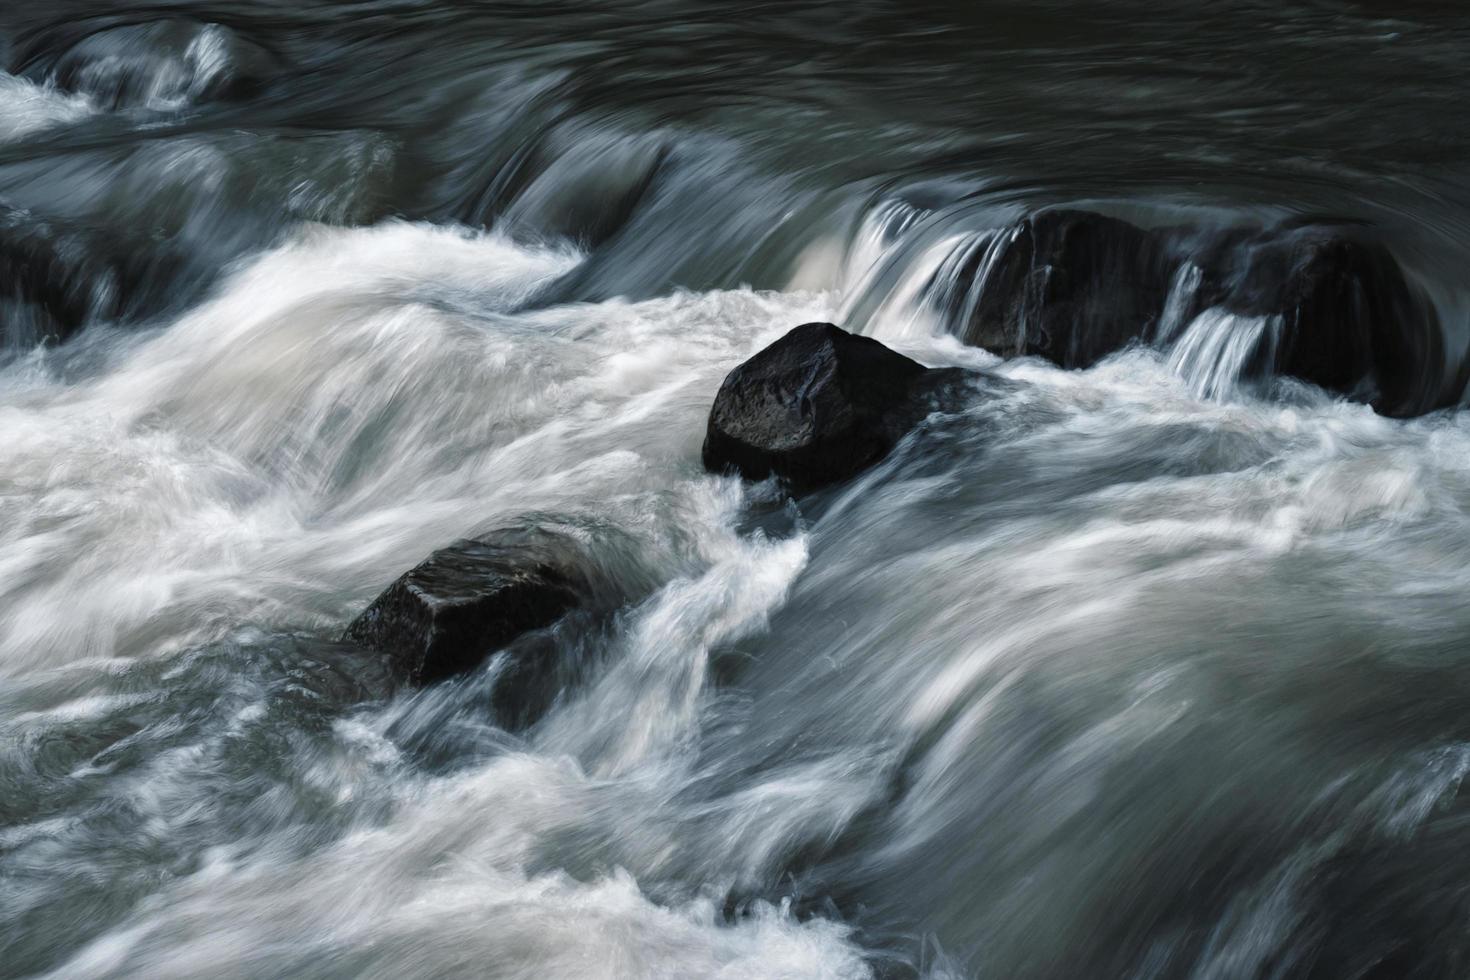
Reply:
x=949 y=278
x=1182 y=290
x=932 y=293
x=917 y=280
x=881 y=227
x=1217 y=347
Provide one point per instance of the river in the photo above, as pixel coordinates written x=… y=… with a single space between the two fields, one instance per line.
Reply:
x=1145 y=670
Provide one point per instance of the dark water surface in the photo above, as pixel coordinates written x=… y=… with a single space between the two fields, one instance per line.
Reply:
x=1137 y=671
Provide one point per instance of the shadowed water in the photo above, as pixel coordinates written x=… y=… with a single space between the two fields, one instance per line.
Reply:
x=1154 y=669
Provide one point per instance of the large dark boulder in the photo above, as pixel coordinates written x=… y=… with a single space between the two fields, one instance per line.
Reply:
x=817 y=406
x=1070 y=286
x=1349 y=319
x=472 y=599
x=1074 y=286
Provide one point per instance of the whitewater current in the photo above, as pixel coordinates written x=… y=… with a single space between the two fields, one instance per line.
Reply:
x=1152 y=669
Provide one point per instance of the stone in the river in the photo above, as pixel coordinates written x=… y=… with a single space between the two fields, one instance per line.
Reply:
x=588 y=186
x=472 y=599
x=54 y=279
x=1350 y=321
x=1070 y=286
x=1074 y=286
x=815 y=407
x=161 y=63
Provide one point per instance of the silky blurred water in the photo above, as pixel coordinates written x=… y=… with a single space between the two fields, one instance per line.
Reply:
x=1147 y=670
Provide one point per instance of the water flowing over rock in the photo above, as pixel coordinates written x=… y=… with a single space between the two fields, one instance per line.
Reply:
x=1321 y=302
x=53 y=279
x=817 y=406
x=1070 y=286
x=1349 y=320
x=584 y=186
x=166 y=64
x=469 y=600
x=1150 y=665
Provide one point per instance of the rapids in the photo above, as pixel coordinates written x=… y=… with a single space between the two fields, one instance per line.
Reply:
x=1154 y=669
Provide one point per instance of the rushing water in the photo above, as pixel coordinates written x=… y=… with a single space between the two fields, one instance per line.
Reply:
x=1148 y=670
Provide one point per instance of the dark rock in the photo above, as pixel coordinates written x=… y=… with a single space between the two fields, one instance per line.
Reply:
x=587 y=186
x=817 y=406
x=58 y=276
x=1350 y=320
x=1073 y=287
x=472 y=599
x=54 y=279
x=1070 y=286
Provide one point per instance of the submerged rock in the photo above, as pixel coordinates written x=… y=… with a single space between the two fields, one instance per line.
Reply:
x=159 y=64
x=472 y=599
x=59 y=276
x=817 y=406
x=54 y=279
x=588 y=186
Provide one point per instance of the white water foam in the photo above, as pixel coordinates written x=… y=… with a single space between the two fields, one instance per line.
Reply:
x=27 y=108
x=1076 y=565
x=347 y=402
x=1217 y=347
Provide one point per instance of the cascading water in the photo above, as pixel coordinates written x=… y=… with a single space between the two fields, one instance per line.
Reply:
x=1135 y=670
x=1216 y=349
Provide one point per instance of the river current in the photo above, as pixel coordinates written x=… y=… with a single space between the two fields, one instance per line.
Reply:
x=1147 y=670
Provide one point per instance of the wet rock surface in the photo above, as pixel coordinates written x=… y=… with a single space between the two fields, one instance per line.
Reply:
x=1349 y=319
x=469 y=600
x=818 y=406
x=1070 y=286
x=1075 y=286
